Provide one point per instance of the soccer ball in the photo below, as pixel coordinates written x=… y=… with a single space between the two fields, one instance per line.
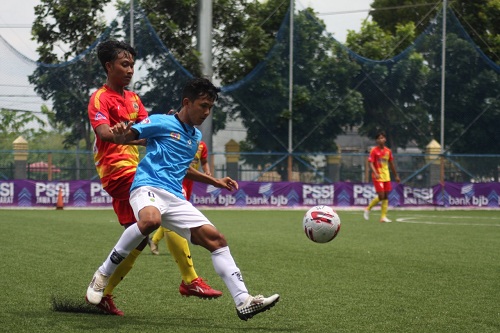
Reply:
x=321 y=224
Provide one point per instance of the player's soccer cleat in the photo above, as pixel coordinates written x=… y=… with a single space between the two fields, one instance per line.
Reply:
x=256 y=304
x=108 y=306
x=96 y=288
x=366 y=214
x=199 y=288
x=385 y=219
x=154 y=247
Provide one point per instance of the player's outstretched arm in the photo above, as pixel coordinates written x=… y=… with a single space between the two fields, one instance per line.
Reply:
x=226 y=182
x=123 y=133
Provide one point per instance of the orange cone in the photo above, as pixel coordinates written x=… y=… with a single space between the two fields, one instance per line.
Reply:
x=60 y=201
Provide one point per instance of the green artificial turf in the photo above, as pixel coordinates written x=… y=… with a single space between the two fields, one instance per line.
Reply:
x=429 y=271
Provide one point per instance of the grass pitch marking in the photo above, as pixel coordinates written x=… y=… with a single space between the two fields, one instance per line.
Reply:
x=424 y=219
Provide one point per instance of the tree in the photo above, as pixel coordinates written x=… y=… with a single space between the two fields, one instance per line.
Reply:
x=15 y=123
x=392 y=88
x=69 y=77
x=323 y=101
x=243 y=32
x=472 y=104
x=480 y=18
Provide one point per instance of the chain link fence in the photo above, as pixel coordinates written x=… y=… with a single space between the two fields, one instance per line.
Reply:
x=417 y=170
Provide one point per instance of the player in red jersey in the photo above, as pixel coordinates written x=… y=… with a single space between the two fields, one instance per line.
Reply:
x=380 y=160
x=116 y=164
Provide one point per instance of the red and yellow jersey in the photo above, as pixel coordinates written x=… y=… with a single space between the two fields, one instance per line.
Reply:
x=201 y=154
x=380 y=159
x=106 y=106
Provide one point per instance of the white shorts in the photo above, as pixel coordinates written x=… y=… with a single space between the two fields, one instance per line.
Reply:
x=177 y=214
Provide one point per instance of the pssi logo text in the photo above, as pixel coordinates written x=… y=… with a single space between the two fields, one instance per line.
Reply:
x=51 y=189
x=6 y=189
x=363 y=191
x=318 y=191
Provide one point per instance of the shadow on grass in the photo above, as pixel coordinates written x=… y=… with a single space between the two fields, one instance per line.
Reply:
x=62 y=304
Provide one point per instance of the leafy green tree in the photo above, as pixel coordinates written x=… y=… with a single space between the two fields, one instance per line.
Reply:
x=472 y=98
x=14 y=123
x=72 y=25
x=480 y=18
x=66 y=76
x=243 y=32
x=323 y=102
x=392 y=90
x=471 y=114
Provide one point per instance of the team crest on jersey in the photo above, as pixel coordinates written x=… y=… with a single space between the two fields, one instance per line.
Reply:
x=145 y=121
x=100 y=116
x=175 y=135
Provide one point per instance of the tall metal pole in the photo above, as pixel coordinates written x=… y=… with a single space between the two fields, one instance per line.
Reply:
x=131 y=85
x=290 y=96
x=132 y=23
x=443 y=85
x=205 y=49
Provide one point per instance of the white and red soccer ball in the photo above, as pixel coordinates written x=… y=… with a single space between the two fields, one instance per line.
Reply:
x=321 y=224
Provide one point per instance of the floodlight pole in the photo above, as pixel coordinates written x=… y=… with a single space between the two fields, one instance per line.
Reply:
x=131 y=36
x=290 y=97
x=205 y=8
x=132 y=23
x=443 y=85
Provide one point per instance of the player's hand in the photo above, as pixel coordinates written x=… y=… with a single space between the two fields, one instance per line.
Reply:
x=119 y=131
x=227 y=183
x=397 y=179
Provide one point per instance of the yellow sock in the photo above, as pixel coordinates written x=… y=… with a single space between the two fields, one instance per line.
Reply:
x=158 y=235
x=123 y=268
x=384 y=207
x=179 y=249
x=374 y=202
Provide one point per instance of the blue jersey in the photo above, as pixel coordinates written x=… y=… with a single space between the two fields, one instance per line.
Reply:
x=171 y=146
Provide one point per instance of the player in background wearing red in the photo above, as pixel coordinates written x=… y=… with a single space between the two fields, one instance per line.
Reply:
x=116 y=164
x=380 y=160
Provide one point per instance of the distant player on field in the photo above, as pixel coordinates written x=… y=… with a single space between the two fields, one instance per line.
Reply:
x=156 y=195
x=380 y=160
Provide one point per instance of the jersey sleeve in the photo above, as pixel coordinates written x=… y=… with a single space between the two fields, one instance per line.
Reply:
x=371 y=156
x=97 y=110
x=204 y=151
x=150 y=127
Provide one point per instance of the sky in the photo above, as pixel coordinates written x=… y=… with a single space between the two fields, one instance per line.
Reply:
x=16 y=18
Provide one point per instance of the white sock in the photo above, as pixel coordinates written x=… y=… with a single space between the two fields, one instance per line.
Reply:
x=129 y=240
x=226 y=268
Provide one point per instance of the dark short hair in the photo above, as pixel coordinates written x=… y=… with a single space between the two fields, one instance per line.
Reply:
x=109 y=50
x=379 y=133
x=200 y=87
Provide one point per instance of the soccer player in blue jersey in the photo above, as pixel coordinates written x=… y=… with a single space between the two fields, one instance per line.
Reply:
x=156 y=195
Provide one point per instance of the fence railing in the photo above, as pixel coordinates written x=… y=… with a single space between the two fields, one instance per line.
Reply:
x=418 y=170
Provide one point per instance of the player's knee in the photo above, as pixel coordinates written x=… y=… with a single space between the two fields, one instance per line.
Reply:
x=148 y=225
x=149 y=220
x=208 y=237
x=220 y=241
